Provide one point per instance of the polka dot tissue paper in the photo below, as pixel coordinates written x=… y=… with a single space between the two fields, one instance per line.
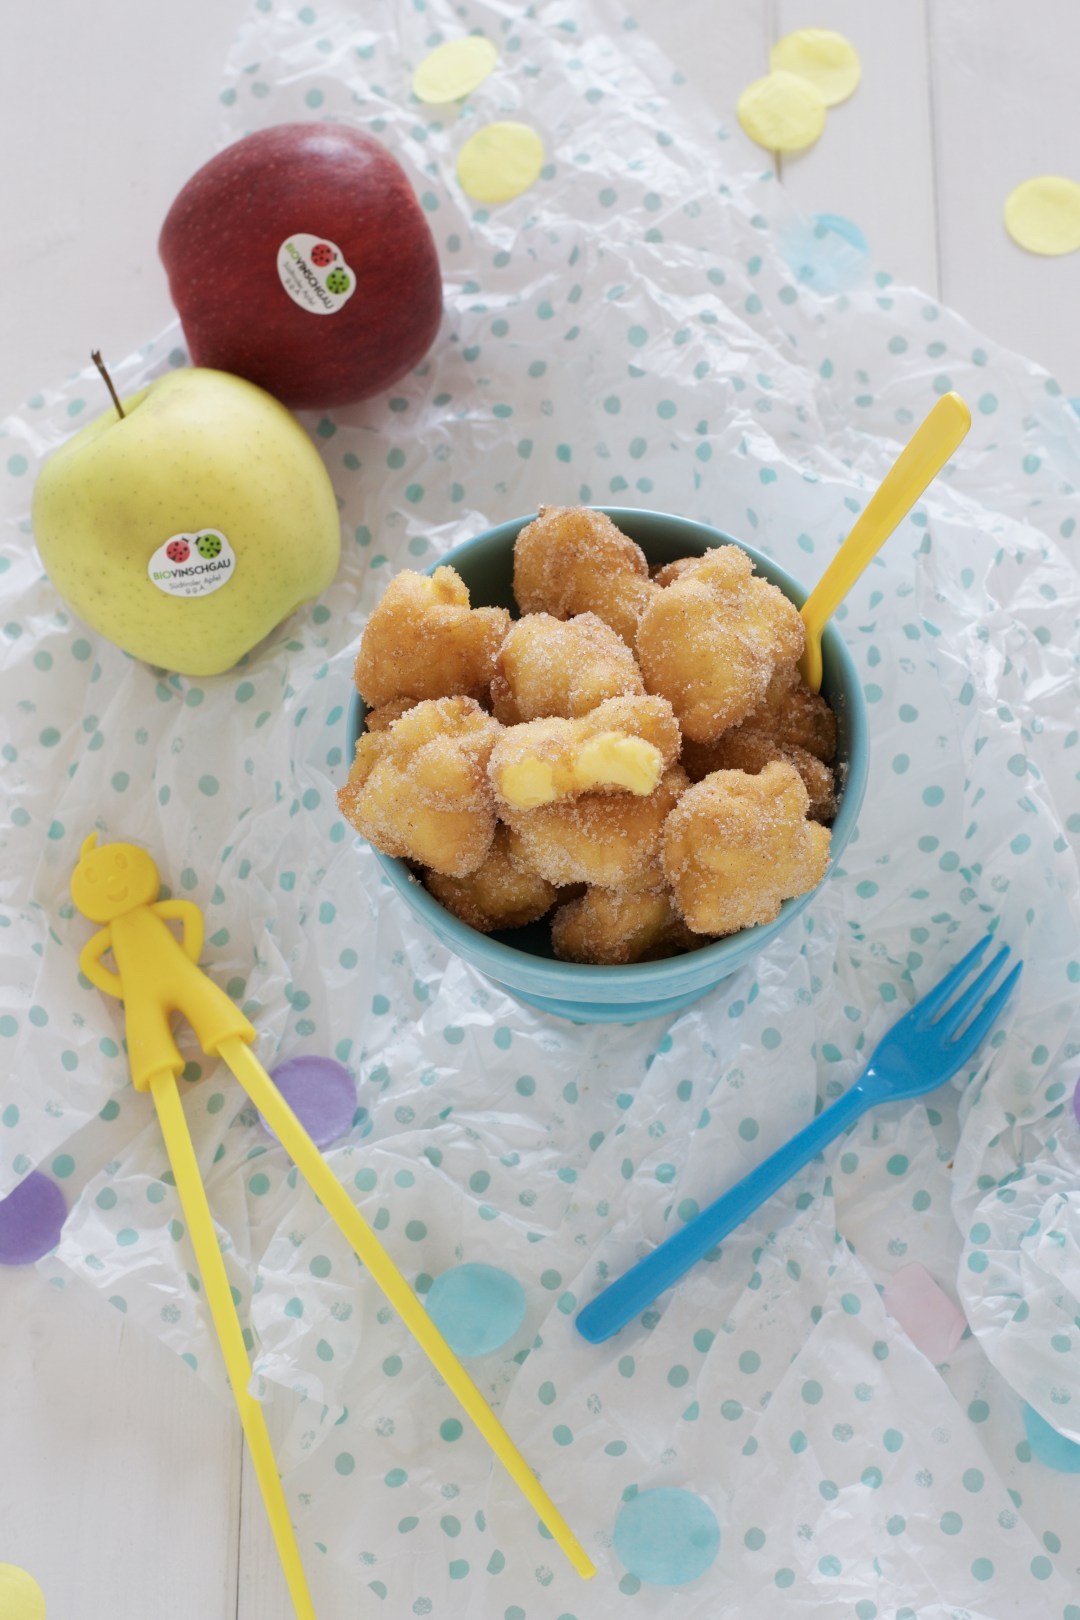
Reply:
x=634 y=328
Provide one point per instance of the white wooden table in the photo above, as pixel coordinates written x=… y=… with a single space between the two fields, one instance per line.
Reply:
x=106 y=111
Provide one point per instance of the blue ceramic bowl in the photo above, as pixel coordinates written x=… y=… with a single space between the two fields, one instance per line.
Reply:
x=521 y=960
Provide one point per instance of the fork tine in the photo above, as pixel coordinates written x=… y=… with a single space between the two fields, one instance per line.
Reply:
x=939 y=995
x=976 y=1032
x=954 y=1017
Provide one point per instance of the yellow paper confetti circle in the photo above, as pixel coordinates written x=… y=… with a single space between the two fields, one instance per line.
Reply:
x=782 y=112
x=21 y=1598
x=500 y=161
x=826 y=59
x=454 y=68
x=1043 y=214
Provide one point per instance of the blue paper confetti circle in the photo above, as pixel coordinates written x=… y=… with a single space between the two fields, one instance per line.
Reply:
x=667 y=1536
x=476 y=1307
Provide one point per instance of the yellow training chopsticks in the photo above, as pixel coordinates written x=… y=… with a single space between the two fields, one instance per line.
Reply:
x=157 y=976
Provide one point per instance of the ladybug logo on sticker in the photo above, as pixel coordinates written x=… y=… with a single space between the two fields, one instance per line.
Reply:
x=313 y=272
x=195 y=564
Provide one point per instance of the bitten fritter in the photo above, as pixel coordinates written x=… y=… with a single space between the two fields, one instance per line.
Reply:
x=736 y=846
x=637 y=923
x=607 y=839
x=711 y=641
x=497 y=895
x=746 y=748
x=425 y=641
x=549 y=666
x=623 y=745
x=420 y=788
x=571 y=560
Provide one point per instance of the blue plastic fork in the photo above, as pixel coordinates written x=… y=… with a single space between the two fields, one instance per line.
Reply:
x=923 y=1050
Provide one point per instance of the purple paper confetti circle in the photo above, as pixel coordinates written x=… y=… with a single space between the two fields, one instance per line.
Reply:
x=31 y=1219
x=321 y=1093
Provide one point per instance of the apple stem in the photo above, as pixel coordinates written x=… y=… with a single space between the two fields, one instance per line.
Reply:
x=95 y=355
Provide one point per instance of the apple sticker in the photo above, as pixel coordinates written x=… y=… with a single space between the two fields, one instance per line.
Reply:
x=304 y=266
x=175 y=571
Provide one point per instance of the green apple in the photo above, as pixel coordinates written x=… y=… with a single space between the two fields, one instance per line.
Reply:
x=187 y=529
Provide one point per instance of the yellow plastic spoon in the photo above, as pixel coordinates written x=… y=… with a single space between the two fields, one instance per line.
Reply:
x=921 y=459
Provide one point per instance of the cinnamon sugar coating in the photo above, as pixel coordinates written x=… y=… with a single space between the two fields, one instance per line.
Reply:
x=572 y=559
x=736 y=846
x=425 y=641
x=711 y=641
x=420 y=790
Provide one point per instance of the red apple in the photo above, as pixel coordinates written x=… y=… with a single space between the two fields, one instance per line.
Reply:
x=300 y=259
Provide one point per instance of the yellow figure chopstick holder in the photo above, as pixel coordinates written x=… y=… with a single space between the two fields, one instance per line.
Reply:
x=157 y=976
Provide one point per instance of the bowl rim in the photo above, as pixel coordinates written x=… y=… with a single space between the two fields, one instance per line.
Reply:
x=637 y=981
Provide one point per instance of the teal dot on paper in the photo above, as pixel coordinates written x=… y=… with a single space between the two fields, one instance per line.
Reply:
x=396 y=1477
x=982 y=1569
x=208 y=786
x=344 y=1462
x=450 y=1429
x=667 y=1536
x=259 y=1184
x=933 y=796
x=320 y=1266
x=63 y=1166
x=17 y=465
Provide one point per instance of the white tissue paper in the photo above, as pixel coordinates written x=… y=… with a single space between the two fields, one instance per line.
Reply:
x=646 y=326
